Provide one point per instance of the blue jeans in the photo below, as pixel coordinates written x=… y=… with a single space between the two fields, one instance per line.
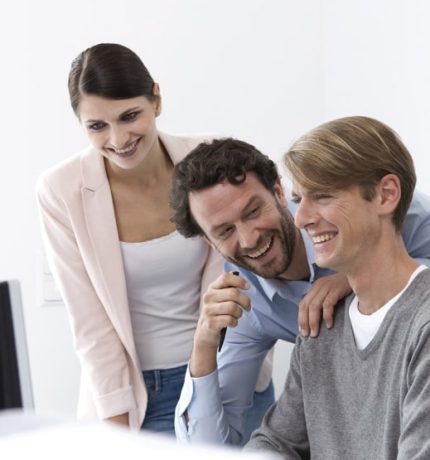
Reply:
x=164 y=387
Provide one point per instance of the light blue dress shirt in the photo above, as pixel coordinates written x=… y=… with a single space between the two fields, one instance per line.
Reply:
x=217 y=404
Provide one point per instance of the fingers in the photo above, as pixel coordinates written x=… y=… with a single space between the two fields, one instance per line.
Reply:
x=303 y=318
x=315 y=313
x=328 y=312
x=227 y=287
x=222 y=306
x=329 y=304
x=310 y=312
x=228 y=279
x=223 y=314
x=317 y=304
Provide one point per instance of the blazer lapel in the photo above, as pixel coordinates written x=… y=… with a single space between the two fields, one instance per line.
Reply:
x=100 y=220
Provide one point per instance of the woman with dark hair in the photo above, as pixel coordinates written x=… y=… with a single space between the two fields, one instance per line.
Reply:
x=130 y=281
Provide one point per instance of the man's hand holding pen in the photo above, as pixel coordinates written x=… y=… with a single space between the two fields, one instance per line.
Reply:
x=222 y=306
x=224 y=329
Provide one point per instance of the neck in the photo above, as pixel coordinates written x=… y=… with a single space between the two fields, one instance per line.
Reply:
x=299 y=267
x=382 y=276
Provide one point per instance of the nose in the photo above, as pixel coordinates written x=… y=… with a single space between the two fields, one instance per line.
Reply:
x=118 y=137
x=305 y=214
x=248 y=236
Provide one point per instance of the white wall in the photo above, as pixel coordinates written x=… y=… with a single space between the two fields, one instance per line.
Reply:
x=376 y=63
x=241 y=68
x=261 y=70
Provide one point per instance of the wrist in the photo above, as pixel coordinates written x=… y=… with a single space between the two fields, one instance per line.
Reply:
x=119 y=419
x=203 y=360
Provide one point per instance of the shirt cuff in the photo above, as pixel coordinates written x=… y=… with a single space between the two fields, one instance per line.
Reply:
x=206 y=399
x=201 y=401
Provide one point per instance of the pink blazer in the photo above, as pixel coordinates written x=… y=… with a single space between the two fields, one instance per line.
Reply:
x=82 y=245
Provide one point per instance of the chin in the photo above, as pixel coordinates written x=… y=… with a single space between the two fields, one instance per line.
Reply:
x=323 y=262
x=270 y=271
x=335 y=265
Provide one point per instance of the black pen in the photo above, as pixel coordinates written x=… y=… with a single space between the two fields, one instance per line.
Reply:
x=224 y=329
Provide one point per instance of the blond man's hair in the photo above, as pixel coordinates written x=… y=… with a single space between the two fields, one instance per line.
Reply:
x=352 y=151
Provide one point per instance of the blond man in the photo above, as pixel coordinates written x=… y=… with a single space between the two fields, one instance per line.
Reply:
x=362 y=389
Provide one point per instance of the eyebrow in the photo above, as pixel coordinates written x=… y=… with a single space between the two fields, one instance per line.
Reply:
x=92 y=121
x=132 y=109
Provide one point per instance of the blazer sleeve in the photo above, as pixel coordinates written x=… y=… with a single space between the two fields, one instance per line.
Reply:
x=100 y=351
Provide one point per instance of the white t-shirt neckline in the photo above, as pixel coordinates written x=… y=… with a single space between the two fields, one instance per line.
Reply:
x=365 y=327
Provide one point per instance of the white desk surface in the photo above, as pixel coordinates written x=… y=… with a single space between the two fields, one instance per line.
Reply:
x=25 y=436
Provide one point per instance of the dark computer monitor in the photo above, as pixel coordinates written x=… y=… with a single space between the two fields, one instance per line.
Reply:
x=15 y=382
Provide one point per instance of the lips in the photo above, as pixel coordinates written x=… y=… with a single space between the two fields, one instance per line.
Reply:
x=126 y=151
x=323 y=237
x=262 y=251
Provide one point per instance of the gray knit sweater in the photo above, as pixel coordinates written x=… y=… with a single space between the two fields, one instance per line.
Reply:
x=343 y=403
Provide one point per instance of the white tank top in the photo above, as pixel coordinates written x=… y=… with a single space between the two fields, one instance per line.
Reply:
x=163 y=279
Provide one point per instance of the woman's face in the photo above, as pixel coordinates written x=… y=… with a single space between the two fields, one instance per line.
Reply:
x=124 y=131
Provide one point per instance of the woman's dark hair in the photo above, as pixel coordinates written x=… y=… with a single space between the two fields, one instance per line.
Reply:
x=109 y=70
x=211 y=163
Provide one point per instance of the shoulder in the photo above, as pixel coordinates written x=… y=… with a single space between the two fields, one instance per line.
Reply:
x=68 y=174
x=190 y=139
x=59 y=172
x=327 y=337
x=195 y=139
x=179 y=145
x=420 y=202
x=417 y=219
x=419 y=289
x=418 y=296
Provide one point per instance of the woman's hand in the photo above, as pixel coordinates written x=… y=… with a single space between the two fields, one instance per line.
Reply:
x=119 y=419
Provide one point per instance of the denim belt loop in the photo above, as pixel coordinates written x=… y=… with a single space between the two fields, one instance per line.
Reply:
x=157 y=380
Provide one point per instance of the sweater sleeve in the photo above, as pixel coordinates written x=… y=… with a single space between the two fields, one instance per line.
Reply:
x=283 y=429
x=414 y=442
